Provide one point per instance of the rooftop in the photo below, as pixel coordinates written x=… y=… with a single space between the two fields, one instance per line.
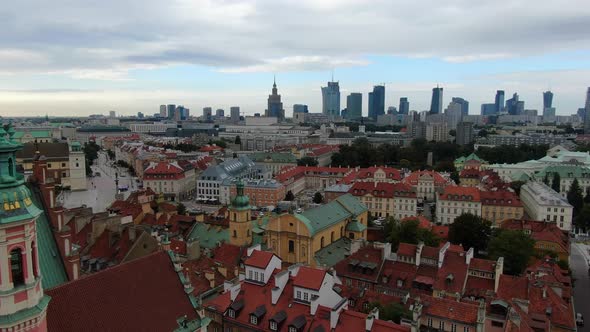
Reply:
x=544 y=195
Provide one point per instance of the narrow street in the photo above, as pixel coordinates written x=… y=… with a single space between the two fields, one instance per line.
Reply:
x=579 y=266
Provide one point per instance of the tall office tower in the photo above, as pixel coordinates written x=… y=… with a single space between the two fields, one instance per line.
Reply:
x=219 y=113
x=140 y=115
x=300 y=108
x=163 y=113
x=465 y=133
x=275 y=106
x=547 y=99
x=377 y=102
x=453 y=115
x=234 y=113
x=207 y=113
x=587 y=115
x=464 y=104
x=512 y=105
x=171 y=110
x=392 y=110
x=499 y=104
x=331 y=99
x=112 y=114
x=437 y=100
x=404 y=105
x=181 y=113
x=354 y=106
x=489 y=109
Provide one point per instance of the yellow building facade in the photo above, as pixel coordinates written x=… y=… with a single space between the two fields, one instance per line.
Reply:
x=297 y=237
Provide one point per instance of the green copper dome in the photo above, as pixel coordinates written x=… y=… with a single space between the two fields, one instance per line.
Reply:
x=241 y=201
x=15 y=198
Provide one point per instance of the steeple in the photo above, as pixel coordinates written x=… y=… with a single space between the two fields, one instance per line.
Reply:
x=274 y=85
x=241 y=201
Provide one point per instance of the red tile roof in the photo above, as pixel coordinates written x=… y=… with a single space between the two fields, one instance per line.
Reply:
x=383 y=326
x=451 y=276
x=288 y=173
x=144 y=294
x=198 y=270
x=413 y=178
x=478 y=287
x=449 y=309
x=442 y=231
x=430 y=252
x=309 y=278
x=228 y=254
x=406 y=249
x=512 y=287
x=485 y=265
x=259 y=259
x=500 y=198
x=381 y=189
x=210 y=148
x=458 y=193
x=540 y=231
x=367 y=254
x=395 y=271
x=422 y=221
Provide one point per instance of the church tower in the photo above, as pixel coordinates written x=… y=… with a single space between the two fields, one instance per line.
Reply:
x=23 y=305
x=240 y=226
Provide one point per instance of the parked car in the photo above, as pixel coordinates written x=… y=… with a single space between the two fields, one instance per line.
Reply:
x=579 y=319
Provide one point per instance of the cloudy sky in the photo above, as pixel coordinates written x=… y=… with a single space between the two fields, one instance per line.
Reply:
x=65 y=57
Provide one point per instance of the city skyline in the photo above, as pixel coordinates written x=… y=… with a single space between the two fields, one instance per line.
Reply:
x=96 y=58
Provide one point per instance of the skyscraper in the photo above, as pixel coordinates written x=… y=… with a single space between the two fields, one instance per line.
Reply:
x=499 y=101
x=207 y=113
x=171 y=108
x=275 y=106
x=377 y=102
x=587 y=115
x=219 y=113
x=464 y=133
x=181 y=113
x=404 y=105
x=437 y=100
x=547 y=99
x=300 y=108
x=331 y=99
x=354 y=106
x=163 y=111
x=512 y=105
x=234 y=114
x=464 y=104
x=489 y=109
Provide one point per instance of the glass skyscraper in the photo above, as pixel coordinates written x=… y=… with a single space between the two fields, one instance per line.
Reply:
x=404 y=105
x=499 y=101
x=547 y=99
x=331 y=99
x=354 y=106
x=377 y=102
x=437 y=100
x=463 y=103
x=300 y=108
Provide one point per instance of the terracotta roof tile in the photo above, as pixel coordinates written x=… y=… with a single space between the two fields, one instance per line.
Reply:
x=309 y=278
x=259 y=259
x=450 y=309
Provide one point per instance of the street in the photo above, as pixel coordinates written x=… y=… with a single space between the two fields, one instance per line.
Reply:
x=579 y=266
x=101 y=189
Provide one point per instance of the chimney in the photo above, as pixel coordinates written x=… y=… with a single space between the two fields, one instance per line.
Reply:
x=280 y=283
x=252 y=248
x=468 y=256
x=335 y=312
x=233 y=288
x=441 y=254
x=374 y=314
x=419 y=248
x=498 y=273
x=210 y=276
x=481 y=316
x=132 y=234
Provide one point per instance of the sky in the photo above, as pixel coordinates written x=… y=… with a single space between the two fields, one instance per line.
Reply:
x=65 y=58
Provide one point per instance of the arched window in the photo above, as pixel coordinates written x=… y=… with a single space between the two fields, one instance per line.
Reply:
x=235 y=216
x=332 y=237
x=16 y=267
x=322 y=242
x=235 y=233
x=10 y=167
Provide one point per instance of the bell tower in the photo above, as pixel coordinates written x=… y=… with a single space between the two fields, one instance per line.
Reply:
x=23 y=305
x=240 y=226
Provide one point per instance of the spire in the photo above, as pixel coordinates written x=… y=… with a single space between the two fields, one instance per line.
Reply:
x=274 y=81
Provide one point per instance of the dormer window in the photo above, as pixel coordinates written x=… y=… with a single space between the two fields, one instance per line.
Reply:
x=400 y=283
x=253 y=320
x=231 y=313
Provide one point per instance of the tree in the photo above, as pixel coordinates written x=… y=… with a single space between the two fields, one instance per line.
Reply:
x=582 y=220
x=181 y=209
x=546 y=179
x=392 y=311
x=238 y=140
x=409 y=232
x=455 y=177
x=575 y=198
x=318 y=198
x=307 y=161
x=289 y=196
x=516 y=185
x=471 y=231
x=587 y=197
x=556 y=183
x=515 y=246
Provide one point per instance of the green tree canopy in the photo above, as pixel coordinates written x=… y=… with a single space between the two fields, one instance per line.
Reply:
x=318 y=198
x=556 y=182
x=515 y=246
x=307 y=161
x=471 y=231
x=516 y=185
x=238 y=140
x=575 y=197
x=392 y=311
x=181 y=209
x=582 y=220
x=409 y=232
x=289 y=196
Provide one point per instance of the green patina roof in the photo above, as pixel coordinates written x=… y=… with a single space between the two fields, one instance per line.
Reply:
x=565 y=171
x=16 y=202
x=61 y=124
x=275 y=157
x=472 y=156
x=209 y=236
x=345 y=206
x=25 y=313
x=52 y=267
x=241 y=201
x=34 y=133
x=333 y=253
x=520 y=176
x=355 y=226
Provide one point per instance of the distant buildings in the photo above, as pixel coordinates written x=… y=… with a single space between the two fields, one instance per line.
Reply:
x=463 y=104
x=436 y=103
x=499 y=102
x=175 y=180
x=404 y=105
x=455 y=201
x=514 y=106
x=170 y=111
x=437 y=131
x=234 y=114
x=464 y=133
x=219 y=113
x=488 y=109
x=547 y=99
x=207 y=113
x=587 y=113
x=331 y=99
x=377 y=102
x=354 y=106
x=275 y=106
x=300 y=108
x=163 y=112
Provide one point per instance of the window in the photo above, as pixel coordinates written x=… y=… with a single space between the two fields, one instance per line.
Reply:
x=351 y=236
x=63 y=164
x=453 y=327
x=231 y=313
x=366 y=306
x=322 y=242
x=298 y=295
x=253 y=320
x=34 y=258
x=441 y=325
x=429 y=322
x=235 y=233
x=250 y=274
x=292 y=329
x=77 y=164
x=255 y=275
x=16 y=267
x=306 y=296
x=291 y=246
x=10 y=167
x=273 y=325
x=465 y=329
